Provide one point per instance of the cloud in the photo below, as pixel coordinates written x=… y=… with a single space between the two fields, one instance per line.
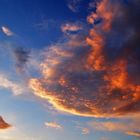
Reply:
x=73 y=5
x=19 y=54
x=92 y=4
x=3 y=124
x=137 y=134
x=53 y=125
x=127 y=126
x=7 y=31
x=85 y=131
x=70 y=27
x=21 y=57
x=8 y=84
x=104 y=138
x=99 y=76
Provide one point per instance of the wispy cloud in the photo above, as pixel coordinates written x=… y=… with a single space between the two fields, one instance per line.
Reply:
x=70 y=27
x=7 y=31
x=3 y=124
x=104 y=138
x=85 y=131
x=128 y=127
x=74 y=5
x=133 y=133
x=8 y=84
x=53 y=125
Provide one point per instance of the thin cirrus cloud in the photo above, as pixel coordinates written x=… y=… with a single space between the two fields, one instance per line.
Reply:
x=4 y=124
x=53 y=125
x=7 y=31
x=98 y=78
x=8 y=84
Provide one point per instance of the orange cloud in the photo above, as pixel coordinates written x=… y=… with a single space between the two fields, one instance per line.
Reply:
x=137 y=134
x=3 y=124
x=107 y=11
x=98 y=77
x=53 y=125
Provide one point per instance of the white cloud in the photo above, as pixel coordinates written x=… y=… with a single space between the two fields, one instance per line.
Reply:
x=14 y=87
x=7 y=31
x=53 y=125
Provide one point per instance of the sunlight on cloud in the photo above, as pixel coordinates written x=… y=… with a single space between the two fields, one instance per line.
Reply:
x=133 y=133
x=93 y=70
x=94 y=78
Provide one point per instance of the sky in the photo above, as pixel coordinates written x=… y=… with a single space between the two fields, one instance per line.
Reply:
x=69 y=69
